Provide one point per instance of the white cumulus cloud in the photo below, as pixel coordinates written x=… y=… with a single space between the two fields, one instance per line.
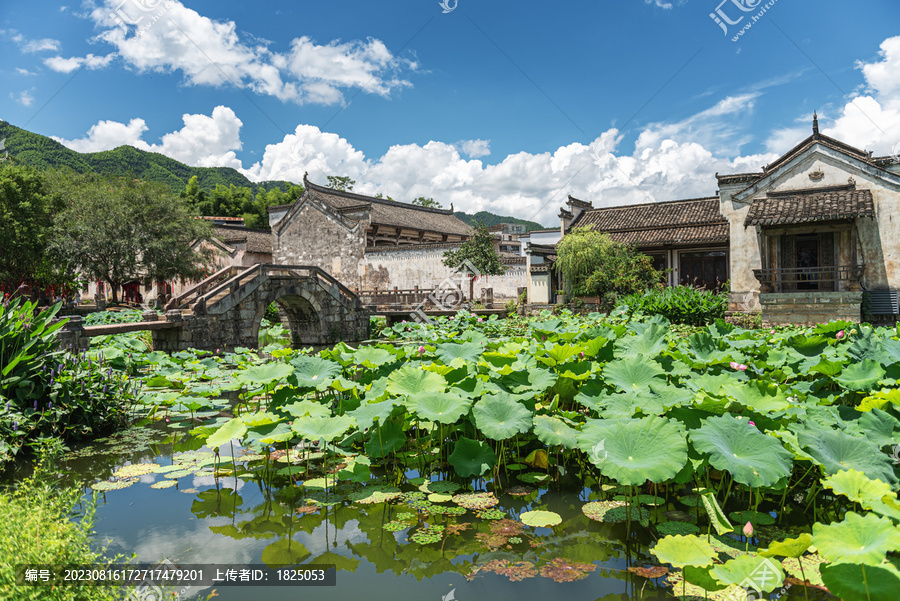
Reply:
x=168 y=37
x=67 y=65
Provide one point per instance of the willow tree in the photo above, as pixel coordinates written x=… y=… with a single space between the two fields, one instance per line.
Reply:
x=593 y=264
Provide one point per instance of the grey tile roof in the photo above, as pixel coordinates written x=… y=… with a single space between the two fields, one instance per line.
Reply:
x=810 y=206
x=392 y=213
x=670 y=223
x=254 y=240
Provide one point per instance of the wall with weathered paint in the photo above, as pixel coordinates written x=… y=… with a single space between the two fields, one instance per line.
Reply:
x=315 y=237
x=423 y=267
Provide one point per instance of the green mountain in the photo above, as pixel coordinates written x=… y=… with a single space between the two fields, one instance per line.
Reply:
x=126 y=161
x=490 y=219
x=45 y=153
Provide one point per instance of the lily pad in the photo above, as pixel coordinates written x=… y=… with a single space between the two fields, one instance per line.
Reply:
x=612 y=512
x=440 y=407
x=440 y=487
x=107 y=485
x=164 y=484
x=475 y=500
x=756 y=518
x=856 y=582
x=540 y=519
x=374 y=494
x=672 y=528
x=135 y=470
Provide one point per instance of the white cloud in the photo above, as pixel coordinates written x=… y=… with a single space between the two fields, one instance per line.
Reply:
x=25 y=98
x=107 y=135
x=204 y=141
x=870 y=119
x=25 y=72
x=67 y=65
x=173 y=38
x=475 y=148
x=41 y=45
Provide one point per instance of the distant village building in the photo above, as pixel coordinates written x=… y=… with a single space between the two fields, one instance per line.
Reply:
x=814 y=236
x=372 y=243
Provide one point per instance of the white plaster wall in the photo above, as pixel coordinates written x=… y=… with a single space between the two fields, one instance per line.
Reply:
x=406 y=269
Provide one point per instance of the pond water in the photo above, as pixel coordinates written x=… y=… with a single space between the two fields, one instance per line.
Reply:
x=236 y=521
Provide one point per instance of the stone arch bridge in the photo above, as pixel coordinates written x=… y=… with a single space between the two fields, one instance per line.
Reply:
x=224 y=311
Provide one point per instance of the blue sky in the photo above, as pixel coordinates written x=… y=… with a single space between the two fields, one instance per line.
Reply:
x=504 y=106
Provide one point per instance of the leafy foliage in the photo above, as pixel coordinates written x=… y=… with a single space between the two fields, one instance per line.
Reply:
x=678 y=304
x=595 y=265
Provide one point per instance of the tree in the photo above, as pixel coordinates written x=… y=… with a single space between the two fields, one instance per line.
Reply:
x=595 y=265
x=26 y=215
x=380 y=195
x=476 y=257
x=342 y=183
x=428 y=203
x=116 y=230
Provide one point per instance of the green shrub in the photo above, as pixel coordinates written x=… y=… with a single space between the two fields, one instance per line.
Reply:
x=37 y=529
x=679 y=304
x=45 y=392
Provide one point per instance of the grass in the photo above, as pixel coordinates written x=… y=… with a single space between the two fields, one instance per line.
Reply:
x=39 y=527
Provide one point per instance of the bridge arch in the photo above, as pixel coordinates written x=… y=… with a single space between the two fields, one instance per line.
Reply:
x=302 y=311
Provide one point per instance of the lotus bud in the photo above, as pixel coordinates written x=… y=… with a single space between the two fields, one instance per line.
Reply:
x=752 y=424
x=853 y=332
x=748 y=529
x=581 y=354
x=772 y=331
x=840 y=335
x=421 y=349
x=738 y=366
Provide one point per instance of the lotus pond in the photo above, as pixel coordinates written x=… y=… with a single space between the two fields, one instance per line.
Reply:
x=590 y=457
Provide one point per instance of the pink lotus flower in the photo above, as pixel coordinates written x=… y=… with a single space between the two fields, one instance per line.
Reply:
x=772 y=331
x=748 y=529
x=752 y=424
x=738 y=366
x=479 y=320
x=421 y=349
x=840 y=335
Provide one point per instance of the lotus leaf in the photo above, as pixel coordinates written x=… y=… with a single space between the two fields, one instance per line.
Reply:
x=790 y=547
x=306 y=408
x=265 y=374
x=633 y=374
x=285 y=552
x=439 y=487
x=411 y=380
x=856 y=582
x=533 y=477
x=857 y=487
x=633 y=451
x=554 y=432
x=500 y=417
x=858 y=539
x=232 y=429
x=314 y=372
x=751 y=457
x=372 y=357
x=861 y=376
x=762 y=574
x=672 y=528
x=467 y=351
x=323 y=428
x=540 y=519
x=613 y=512
x=836 y=451
x=374 y=494
x=441 y=407
x=471 y=457
x=385 y=439
x=680 y=551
